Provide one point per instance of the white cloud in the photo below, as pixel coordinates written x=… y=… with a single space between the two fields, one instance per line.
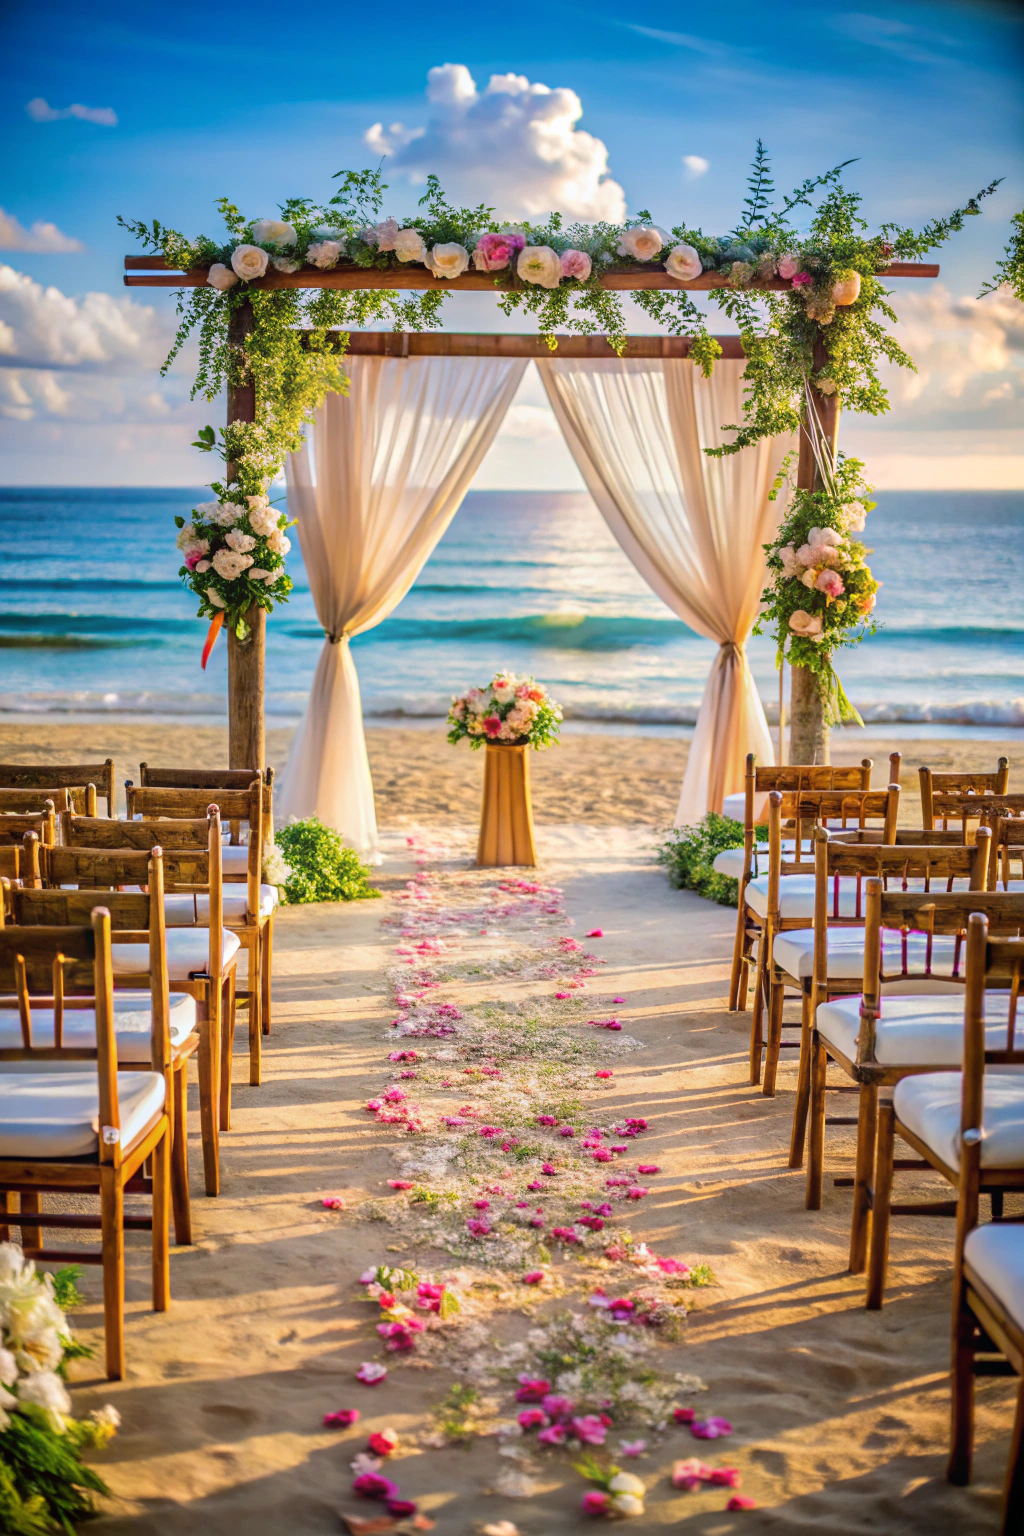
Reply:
x=696 y=166
x=40 y=111
x=513 y=145
x=969 y=354
x=42 y=237
x=42 y=327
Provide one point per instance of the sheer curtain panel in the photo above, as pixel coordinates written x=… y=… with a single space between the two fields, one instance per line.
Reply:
x=391 y=462
x=693 y=526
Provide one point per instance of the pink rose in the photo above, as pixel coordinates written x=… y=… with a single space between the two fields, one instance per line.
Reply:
x=831 y=583
x=789 y=266
x=576 y=264
x=802 y=280
x=492 y=725
x=494 y=252
x=595 y=1502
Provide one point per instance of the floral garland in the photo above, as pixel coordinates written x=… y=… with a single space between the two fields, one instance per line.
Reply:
x=820 y=592
x=1010 y=270
x=512 y=710
x=832 y=294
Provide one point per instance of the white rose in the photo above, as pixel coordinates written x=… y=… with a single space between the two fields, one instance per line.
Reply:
x=229 y=565
x=202 y=566
x=410 y=245
x=539 y=264
x=856 y=514
x=263 y=520
x=449 y=260
x=241 y=543
x=273 y=232
x=324 y=254
x=808 y=625
x=45 y=1390
x=224 y=513
x=8 y=1368
x=256 y=573
x=285 y=264
x=627 y=1504
x=683 y=262
x=279 y=542
x=249 y=261
x=809 y=578
x=186 y=536
x=625 y=1482
x=220 y=276
x=644 y=242
x=215 y=598
x=385 y=234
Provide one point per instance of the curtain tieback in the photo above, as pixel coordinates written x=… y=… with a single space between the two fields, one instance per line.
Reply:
x=732 y=648
x=335 y=639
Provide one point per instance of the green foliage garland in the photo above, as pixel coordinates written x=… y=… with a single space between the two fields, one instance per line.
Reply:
x=319 y=865
x=1011 y=268
x=689 y=853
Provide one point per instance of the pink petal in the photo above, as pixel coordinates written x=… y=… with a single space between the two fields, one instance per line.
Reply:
x=595 y=933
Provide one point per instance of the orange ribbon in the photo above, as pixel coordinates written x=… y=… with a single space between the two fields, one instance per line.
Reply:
x=215 y=624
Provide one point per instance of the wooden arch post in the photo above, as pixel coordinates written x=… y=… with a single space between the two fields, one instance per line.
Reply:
x=808 y=732
x=246 y=658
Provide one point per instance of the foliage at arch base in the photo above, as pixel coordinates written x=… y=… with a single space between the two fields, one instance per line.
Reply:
x=812 y=244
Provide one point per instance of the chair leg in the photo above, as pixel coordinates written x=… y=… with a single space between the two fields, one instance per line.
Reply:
x=997 y=1204
x=1013 y=1496
x=961 y=1443
x=8 y=1208
x=112 y=1230
x=867 y=1135
x=161 y=1176
x=803 y=1086
x=267 y=970
x=31 y=1204
x=878 y=1253
x=227 y=1045
x=776 y=1000
x=738 y=957
x=816 y=1140
x=757 y=1011
x=180 y=1199
x=209 y=1088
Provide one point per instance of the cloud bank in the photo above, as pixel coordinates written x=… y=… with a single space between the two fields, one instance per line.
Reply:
x=43 y=237
x=514 y=145
x=40 y=111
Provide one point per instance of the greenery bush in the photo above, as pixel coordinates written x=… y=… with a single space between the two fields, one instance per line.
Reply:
x=320 y=866
x=688 y=854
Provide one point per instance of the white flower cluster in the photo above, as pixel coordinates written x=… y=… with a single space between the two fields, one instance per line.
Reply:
x=235 y=527
x=32 y=1333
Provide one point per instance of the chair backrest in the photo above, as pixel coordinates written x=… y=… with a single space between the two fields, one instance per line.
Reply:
x=80 y=776
x=46 y=962
x=808 y=810
x=234 y=805
x=213 y=778
x=991 y=963
x=15 y=824
x=761 y=780
x=933 y=784
x=929 y=913
x=190 y=860
x=33 y=801
x=961 y=807
x=836 y=858
x=1007 y=849
x=136 y=917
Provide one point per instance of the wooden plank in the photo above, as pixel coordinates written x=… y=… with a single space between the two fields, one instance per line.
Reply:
x=624 y=279
x=488 y=344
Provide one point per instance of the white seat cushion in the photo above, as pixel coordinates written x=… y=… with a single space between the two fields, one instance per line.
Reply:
x=929 y=1106
x=996 y=1254
x=50 y=1114
x=133 y=1026
x=730 y=860
x=796 y=896
x=735 y=806
x=188 y=950
x=234 y=859
x=182 y=910
x=915 y=1031
x=794 y=952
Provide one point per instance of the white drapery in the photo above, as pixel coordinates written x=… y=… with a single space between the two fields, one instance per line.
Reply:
x=393 y=460
x=693 y=526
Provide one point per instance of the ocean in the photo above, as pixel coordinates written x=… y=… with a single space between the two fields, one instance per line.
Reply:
x=93 y=619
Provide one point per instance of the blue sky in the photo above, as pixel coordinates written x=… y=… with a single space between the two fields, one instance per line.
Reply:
x=240 y=100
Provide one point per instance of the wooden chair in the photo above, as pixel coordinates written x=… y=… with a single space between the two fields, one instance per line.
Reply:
x=879 y=1040
x=784 y=897
x=201 y=960
x=14 y=825
x=135 y=918
x=72 y=1133
x=250 y=916
x=742 y=864
x=1007 y=853
x=963 y=809
x=968 y=1125
x=828 y=961
x=217 y=778
x=35 y=801
x=10 y=862
x=933 y=784
x=79 y=778
x=988 y=1279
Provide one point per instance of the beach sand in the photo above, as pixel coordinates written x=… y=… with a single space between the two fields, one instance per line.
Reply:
x=841 y=1417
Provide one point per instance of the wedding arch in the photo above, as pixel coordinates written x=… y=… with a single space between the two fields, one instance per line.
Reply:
x=274 y=304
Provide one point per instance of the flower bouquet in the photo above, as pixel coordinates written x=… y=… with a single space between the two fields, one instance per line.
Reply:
x=233 y=551
x=508 y=711
x=44 y=1484
x=820 y=592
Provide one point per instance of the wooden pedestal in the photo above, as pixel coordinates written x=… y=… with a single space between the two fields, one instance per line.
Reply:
x=506 y=818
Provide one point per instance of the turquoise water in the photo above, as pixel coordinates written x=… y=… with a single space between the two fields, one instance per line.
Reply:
x=93 y=618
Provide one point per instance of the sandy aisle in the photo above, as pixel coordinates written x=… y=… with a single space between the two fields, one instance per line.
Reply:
x=840 y=1416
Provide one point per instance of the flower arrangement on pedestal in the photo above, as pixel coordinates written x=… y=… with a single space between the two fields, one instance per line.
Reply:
x=507 y=711
x=44 y=1484
x=821 y=593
